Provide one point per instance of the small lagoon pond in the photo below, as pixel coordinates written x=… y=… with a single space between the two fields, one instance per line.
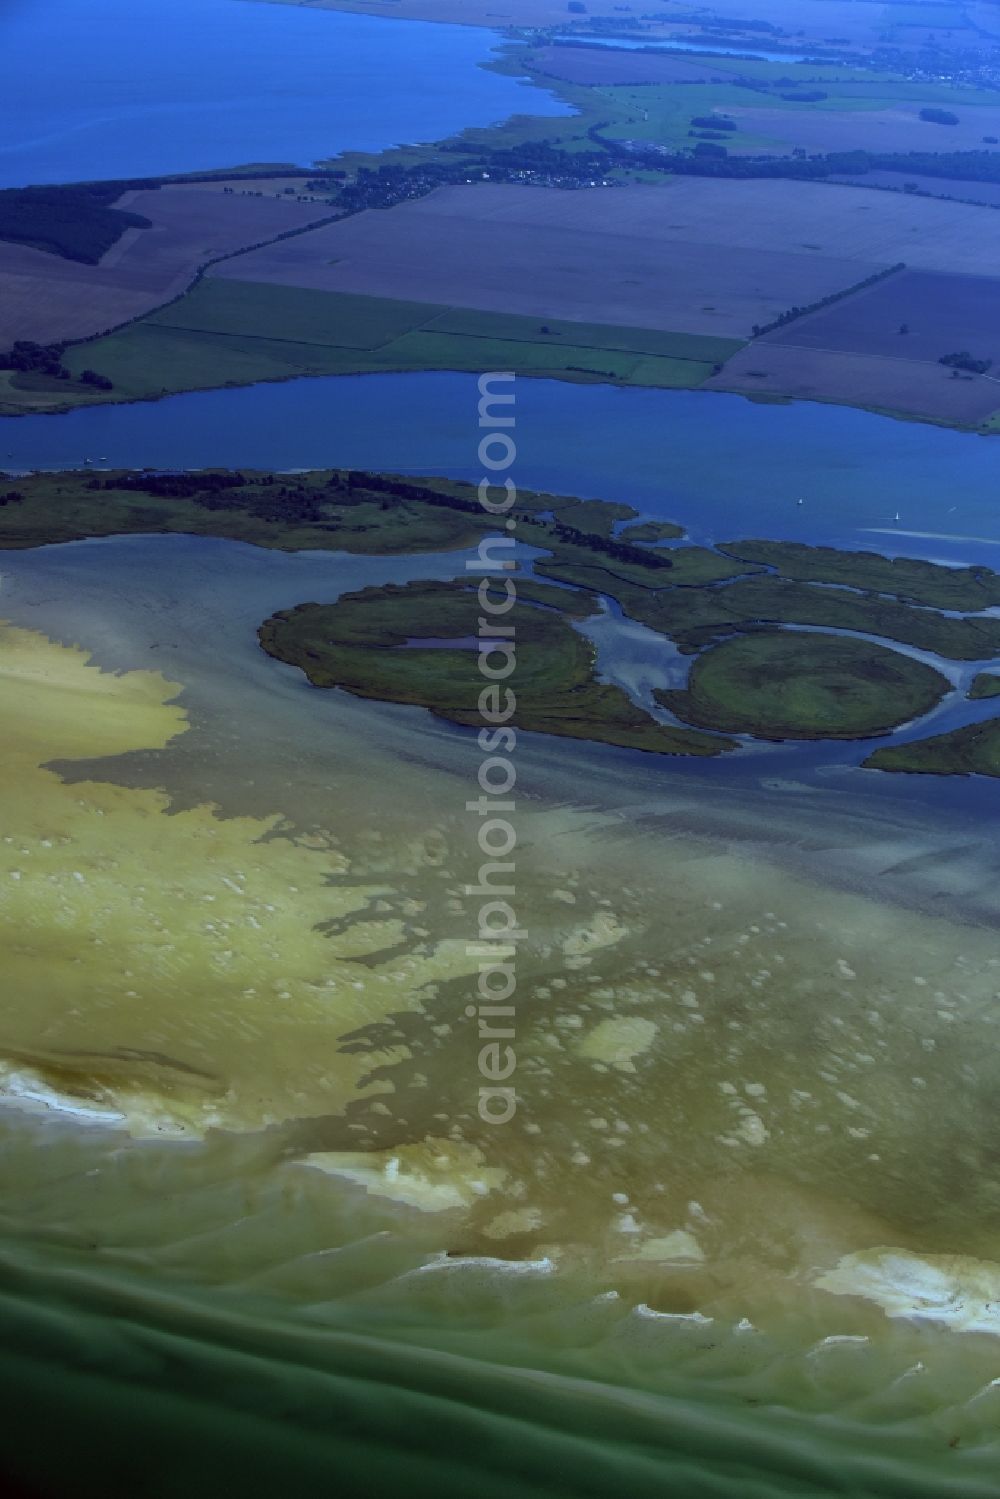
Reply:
x=697 y=47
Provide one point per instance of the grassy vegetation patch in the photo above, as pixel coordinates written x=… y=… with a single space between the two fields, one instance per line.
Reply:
x=974 y=750
x=638 y=583
x=598 y=517
x=652 y=530
x=986 y=684
x=289 y=314
x=671 y=374
x=442 y=351
x=908 y=578
x=148 y=360
x=702 y=348
x=785 y=685
x=662 y=113
x=700 y=617
x=696 y=567
x=333 y=509
x=360 y=643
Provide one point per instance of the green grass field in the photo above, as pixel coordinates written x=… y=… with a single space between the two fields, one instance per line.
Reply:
x=555 y=333
x=662 y=113
x=236 y=333
x=289 y=315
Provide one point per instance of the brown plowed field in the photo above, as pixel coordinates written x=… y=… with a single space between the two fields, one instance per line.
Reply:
x=925 y=390
x=597 y=66
x=695 y=256
x=943 y=315
x=638 y=257
x=47 y=298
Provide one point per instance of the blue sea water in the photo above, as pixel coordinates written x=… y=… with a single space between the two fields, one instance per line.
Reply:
x=119 y=88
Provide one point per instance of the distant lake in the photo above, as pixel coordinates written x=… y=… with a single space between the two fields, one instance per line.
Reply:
x=120 y=88
x=699 y=48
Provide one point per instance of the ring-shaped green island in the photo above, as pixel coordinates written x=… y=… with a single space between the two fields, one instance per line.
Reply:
x=792 y=684
x=518 y=662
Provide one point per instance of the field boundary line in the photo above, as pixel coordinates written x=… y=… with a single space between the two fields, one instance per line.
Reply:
x=427 y=327
x=858 y=354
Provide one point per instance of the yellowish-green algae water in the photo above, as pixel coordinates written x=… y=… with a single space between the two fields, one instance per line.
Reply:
x=182 y=957
x=739 y=1237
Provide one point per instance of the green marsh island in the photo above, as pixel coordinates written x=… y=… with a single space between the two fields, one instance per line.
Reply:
x=787 y=641
x=970 y=751
x=778 y=684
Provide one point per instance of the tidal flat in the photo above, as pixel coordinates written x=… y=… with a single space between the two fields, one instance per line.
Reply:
x=727 y=1193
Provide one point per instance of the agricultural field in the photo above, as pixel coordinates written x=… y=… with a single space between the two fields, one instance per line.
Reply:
x=233 y=332
x=857 y=22
x=659 y=285
x=663 y=115
x=677 y=258
x=595 y=67
x=881 y=347
x=903 y=387
x=47 y=298
x=959 y=189
x=774 y=114
x=856 y=126
x=852 y=23
x=698 y=256
x=940 y=314
x=494 y=14
x=811 y=219
x=652 y=96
